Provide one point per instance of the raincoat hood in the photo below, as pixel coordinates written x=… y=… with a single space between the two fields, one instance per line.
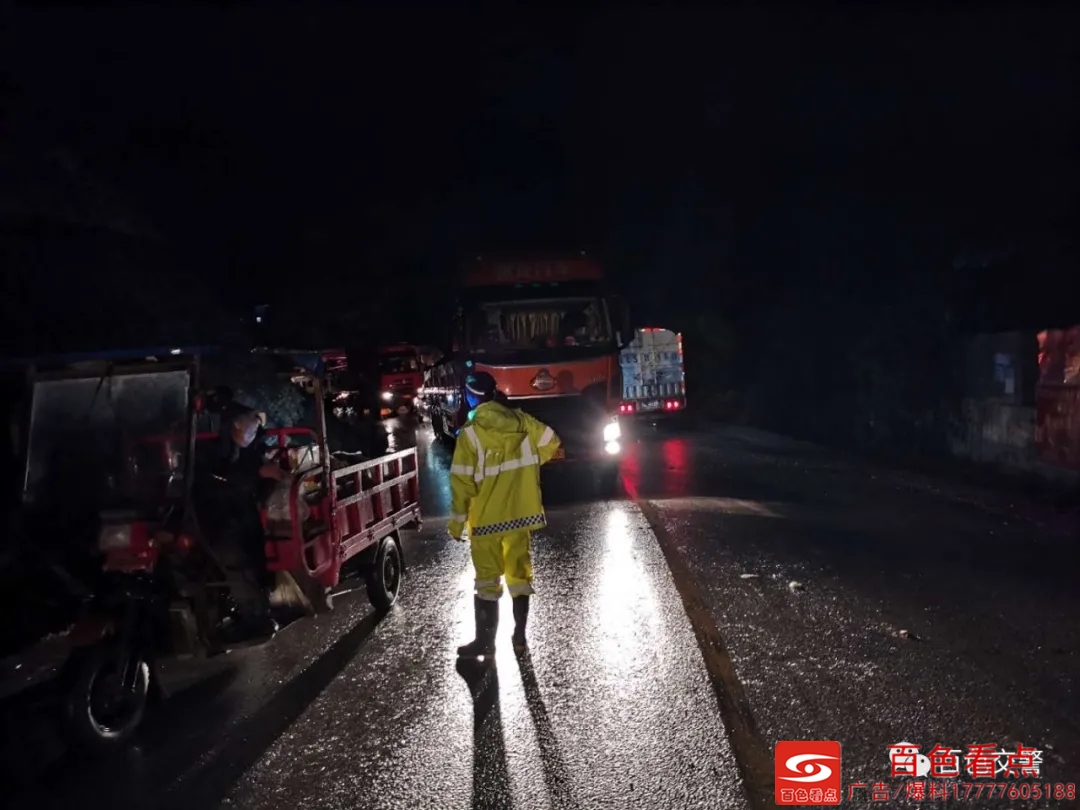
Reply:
x=495 y=417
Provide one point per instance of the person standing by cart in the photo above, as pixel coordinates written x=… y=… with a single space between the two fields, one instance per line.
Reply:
x=242 y=471
x=495 y=491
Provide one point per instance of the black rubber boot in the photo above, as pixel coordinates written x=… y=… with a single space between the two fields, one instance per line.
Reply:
x=487 y=622
x=521 y=617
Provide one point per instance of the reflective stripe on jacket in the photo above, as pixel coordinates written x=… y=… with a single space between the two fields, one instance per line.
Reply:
x=495 y=473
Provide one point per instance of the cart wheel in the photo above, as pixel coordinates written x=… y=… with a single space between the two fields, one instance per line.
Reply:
x=100 y=714
x=384 y=578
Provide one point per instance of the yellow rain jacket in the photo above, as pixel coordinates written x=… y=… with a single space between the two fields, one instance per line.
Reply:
x=495 y=474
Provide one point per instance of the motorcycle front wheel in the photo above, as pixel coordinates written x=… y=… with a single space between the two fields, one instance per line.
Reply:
x=102 y=713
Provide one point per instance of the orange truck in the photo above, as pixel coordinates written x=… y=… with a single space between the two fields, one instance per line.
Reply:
x=550 y=333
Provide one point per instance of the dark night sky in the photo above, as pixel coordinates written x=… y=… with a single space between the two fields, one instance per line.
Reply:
x=295 y=144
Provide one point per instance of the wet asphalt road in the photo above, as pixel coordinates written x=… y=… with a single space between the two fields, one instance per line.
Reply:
x=742 y=590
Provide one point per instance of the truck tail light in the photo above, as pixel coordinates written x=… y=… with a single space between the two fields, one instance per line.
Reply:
x=627 y=407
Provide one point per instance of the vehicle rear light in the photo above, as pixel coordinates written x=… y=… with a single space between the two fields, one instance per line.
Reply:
x=627 y=407
x=181 y=543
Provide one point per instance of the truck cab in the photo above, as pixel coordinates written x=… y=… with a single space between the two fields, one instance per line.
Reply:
x=549 y=332
x=401 y=379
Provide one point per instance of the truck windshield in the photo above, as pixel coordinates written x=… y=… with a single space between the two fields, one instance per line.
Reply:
x=538 y=324
x=107 y=441
x=399 y=364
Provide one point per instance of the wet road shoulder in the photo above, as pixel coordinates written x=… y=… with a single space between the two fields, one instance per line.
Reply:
x=855 y=607
x=751 y=752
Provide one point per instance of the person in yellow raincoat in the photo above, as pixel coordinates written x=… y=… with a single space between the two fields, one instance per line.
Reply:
x=495 y=490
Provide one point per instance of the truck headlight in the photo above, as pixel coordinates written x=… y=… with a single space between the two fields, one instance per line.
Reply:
x=612 y=431
x=387 y=396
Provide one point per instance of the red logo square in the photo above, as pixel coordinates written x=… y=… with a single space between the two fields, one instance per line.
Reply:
x=807 y=772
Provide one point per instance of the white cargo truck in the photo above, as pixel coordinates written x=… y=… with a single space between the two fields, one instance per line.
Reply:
x=654 y=381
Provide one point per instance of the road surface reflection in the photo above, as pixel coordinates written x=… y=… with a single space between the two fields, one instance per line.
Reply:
x=660 y=468
x=625 y=607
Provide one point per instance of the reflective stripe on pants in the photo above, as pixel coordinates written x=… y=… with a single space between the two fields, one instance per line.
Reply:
x=507 y=555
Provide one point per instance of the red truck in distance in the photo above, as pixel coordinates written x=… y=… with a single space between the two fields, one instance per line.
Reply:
x=401 y=379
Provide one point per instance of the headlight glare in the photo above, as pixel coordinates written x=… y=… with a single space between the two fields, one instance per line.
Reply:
x=612 y=431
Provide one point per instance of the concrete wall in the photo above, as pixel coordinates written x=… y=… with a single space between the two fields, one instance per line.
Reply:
x=1002 y=367
x=995 y=431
